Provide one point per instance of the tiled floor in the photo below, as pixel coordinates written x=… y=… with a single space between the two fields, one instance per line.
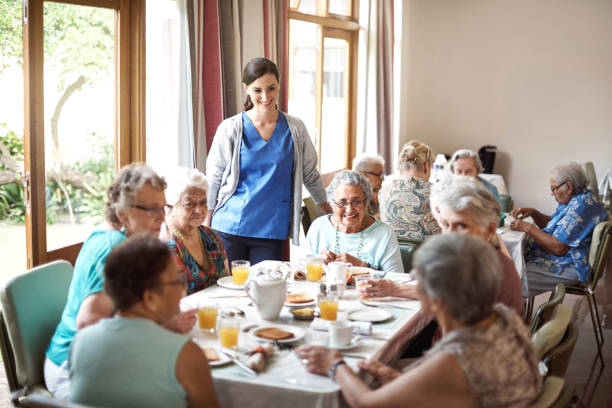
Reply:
x=592 y=383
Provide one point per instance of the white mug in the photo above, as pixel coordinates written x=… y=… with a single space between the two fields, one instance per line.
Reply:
x=340 y=333
x=337 y=271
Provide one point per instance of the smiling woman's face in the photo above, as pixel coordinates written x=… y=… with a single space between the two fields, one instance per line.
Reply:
x=351 y=216
x=264 y=92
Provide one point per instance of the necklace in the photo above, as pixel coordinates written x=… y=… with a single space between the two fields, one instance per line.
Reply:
x=179 y=234
x=359 y=247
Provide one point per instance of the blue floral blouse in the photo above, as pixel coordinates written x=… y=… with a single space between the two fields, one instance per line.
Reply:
x=572 y=224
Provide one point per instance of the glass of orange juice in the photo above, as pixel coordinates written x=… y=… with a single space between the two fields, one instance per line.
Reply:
x=328 y=305
x=240 y=272
x=207 y=316
x=229 y=328
x=314 y=268
x=361 y=285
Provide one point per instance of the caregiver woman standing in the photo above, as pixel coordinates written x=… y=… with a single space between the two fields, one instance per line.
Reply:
x=256 y=166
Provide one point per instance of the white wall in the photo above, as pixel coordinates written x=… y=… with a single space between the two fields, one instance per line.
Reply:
x=533 y=77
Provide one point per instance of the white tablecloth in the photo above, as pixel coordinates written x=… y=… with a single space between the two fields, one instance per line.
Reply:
x=284 y=381
x=497 y=180
x=515 y=242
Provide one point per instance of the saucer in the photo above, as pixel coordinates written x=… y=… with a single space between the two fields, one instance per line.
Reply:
x=355 y=341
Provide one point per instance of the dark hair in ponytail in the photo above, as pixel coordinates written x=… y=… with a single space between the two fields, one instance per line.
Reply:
x=256 y=68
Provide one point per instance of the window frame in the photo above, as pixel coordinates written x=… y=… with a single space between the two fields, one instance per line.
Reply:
x=130 y=111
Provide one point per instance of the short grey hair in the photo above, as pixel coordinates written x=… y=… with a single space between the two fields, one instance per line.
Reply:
x=464 y=154
x=466 y=194
x=180 y=179
x=463 y=271
x=363 y=161
x=352 y=178
x=130 y=179
x=573 y=173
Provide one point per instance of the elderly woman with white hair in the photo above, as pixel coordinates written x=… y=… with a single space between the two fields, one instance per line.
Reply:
x=372 y=168
x=349 y=234
x=404 y=203
x=465 y=162
x=197 y=247
x=559 y=244
x=462 y=205
x=485 y=357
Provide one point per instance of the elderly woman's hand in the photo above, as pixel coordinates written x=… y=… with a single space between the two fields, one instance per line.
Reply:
x=381 y=373
x=520 y=213
x=328 y=256
x=379 y=288
x=344 y=257
x=183 y=322
x=318 y=359
x=518 y=225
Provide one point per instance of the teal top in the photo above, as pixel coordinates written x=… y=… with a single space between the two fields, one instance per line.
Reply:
x=88 y=279
x=377 y=246
x=123 y=362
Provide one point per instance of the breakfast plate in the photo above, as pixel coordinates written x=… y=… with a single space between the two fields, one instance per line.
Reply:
x=223 y=358
x=355 y=341
x=369 y=314
x=298 y=333
x=228 y=283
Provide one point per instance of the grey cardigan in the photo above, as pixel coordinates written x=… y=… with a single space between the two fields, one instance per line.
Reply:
x=223 y=167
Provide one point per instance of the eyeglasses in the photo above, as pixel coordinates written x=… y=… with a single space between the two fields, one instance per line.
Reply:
x=190 y=205
x=344 y=204
x=378 y=175
x=553 y=189
x=159 y=212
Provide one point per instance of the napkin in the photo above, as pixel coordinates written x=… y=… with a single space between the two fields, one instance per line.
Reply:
x=364 y=328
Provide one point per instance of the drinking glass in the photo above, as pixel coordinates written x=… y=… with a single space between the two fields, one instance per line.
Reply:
x=314 y=268
x=362 y=286
x=229 y=328
x=207 y=316
x=240 y=271
x=328 y=305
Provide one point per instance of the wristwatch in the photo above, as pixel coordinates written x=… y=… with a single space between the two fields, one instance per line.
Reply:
x=332 y=370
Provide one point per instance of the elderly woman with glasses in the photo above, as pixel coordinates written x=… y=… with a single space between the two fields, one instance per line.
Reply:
x=131 y=359
x=372 y=168
x=197 y=247
x=485 y=357
x=135 y=204
x=349 y=234
x=465 y=162
x=404 y=203
x=559 y=244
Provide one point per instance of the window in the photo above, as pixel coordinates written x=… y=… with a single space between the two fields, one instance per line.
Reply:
x=84 y=99
x=322 y=76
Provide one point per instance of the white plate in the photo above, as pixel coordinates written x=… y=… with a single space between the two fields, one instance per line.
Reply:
x=223 y=358
x=298 y=333
x=300 y=305
x=228 y=283
x=355 y=341
x=369 y=314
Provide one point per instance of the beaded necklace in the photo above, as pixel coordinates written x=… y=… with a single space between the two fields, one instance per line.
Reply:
x=337 y=246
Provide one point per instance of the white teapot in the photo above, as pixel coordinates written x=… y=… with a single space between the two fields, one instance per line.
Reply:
x=267 y=289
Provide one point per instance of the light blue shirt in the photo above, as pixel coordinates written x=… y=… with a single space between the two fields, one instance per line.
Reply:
x=490 y=188
x=261 y=205
x=88 y=278
x=379 y=247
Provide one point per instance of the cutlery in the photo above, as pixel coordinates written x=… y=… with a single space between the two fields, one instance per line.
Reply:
x=376 y=337
x=391 y=305
x=240 y=364
x=353 y=356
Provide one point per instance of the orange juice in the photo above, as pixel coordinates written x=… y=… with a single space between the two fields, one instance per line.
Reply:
x=329 y=309
x=240 y=275
x=228 y=336
x=361 y=286
x=314 y=272
x=207 y=317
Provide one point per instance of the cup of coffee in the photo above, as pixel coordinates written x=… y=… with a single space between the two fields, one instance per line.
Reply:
x=340 y=333
x=337 y=271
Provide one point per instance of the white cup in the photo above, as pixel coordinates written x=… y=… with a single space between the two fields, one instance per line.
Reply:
x=340 y=333
x=337 y=271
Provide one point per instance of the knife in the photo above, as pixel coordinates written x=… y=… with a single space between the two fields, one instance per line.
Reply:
x=240 y=364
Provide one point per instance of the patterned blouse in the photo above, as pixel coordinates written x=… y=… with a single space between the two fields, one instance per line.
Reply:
x=572 y=224
x=197 y=277
x=499 y=360
x=404 y=206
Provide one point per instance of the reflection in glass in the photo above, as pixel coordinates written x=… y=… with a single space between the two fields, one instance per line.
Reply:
x=302 y=72
x=334 y=107
x=305 y=6
x=79 y=118
x=339 y=7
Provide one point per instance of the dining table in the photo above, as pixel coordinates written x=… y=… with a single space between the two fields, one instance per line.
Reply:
x=284 y=380
x=515 y=242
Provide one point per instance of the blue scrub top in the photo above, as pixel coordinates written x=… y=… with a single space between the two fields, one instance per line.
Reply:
x=260 y=206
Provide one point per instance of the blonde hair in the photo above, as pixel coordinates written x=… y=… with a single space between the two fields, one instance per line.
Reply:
x=415 y=154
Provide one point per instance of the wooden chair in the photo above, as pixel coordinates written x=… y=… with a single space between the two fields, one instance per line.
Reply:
x=32 y=305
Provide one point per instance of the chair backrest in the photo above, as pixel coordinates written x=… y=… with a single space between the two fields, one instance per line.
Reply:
x=32 y=306
x=545 y=311
x=555 y=394
x=558 y=357
x=311 y=211
x=552 y=333
x=599 y=250
x=407 y=249
x=589 y=172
